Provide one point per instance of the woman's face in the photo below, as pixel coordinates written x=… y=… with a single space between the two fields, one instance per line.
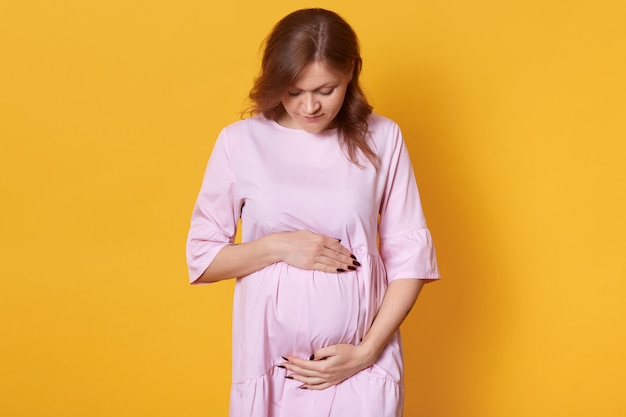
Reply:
x=313 y=101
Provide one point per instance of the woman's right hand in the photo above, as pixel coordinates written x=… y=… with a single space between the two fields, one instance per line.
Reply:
x=308 y=250
x=302 y=249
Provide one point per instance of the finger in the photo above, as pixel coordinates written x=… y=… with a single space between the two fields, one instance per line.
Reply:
x=305 y=380
x=336 y=268
x=293 y=361
x=316 y=387
x=332 y=266
x=345 y=260
x=339 y=249
x=324 y=353
x=307 y=369
x=321 y=386
x=337 y=260
x=329 y=253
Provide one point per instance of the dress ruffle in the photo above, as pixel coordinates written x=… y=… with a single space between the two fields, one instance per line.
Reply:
x=369 y=393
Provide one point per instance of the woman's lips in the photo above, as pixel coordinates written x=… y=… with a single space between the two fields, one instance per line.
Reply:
x=312 y=118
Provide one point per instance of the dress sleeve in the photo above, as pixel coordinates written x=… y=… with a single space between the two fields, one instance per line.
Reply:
x=406 y=245
x=216 y=212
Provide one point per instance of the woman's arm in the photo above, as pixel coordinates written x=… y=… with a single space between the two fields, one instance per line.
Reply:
x=302 y=249
x=397 y=303
x=335 y=363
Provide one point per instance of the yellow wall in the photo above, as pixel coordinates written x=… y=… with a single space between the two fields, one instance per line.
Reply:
x=514 y=113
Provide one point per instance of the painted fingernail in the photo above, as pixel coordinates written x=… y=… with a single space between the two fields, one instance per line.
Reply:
x=288 y=377
x=280 y=366
x=338 y=240
x=341 y=270
x=352 y=268
x=302 y=387
x=312 y=357
x=285 y=358
x=353 y=257
x=356 y=263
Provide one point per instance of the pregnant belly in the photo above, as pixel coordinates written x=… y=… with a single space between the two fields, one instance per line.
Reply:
x=296 y=311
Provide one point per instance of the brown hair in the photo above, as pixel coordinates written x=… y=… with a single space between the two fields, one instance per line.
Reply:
x=297 y=40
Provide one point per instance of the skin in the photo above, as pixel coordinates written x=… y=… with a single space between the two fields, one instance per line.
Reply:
x=312 y=104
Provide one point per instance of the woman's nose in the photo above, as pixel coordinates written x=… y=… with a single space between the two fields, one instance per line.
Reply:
x=310 y=105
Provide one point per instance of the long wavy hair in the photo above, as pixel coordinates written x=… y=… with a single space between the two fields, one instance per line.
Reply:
x=299 y=39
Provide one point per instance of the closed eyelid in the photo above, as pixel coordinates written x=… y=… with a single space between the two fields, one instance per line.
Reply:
x=322 y=90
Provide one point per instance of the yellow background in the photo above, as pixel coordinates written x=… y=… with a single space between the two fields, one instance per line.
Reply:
x=514 y=112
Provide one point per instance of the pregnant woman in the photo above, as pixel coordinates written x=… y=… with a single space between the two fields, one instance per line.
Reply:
x=335 y=248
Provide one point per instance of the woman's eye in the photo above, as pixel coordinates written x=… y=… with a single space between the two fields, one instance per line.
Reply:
x=326 y=91
x=293 y=93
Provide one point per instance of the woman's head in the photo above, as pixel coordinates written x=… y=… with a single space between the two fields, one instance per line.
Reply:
x=298 y=40
x=304 y=40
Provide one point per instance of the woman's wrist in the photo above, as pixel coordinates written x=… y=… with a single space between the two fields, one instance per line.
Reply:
x=273 y=245
x=370 y=351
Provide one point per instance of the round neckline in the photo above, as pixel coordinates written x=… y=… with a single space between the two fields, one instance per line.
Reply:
x=302 y=132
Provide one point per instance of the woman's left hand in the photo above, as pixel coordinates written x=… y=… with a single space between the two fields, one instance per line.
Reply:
x=333 y=364
x=328 y=366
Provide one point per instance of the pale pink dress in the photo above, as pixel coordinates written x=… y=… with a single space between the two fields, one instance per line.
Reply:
x=279 y=179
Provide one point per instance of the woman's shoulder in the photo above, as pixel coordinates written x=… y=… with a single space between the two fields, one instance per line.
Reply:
x=246 y=130
x=249 y=123
x=383 y=131
x=376 y=119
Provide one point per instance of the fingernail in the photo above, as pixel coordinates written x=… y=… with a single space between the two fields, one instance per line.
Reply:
x=352 y=268
x=285 y=358
x=288 y=377
x=280 y=366
x=341 y=270
x=312 y=357
x=338 y=240
x=356 y=263
x=302 y=387
x=353 y=257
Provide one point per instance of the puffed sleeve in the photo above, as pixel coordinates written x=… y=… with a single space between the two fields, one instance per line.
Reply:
x=406 y=245
x=216 y=212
